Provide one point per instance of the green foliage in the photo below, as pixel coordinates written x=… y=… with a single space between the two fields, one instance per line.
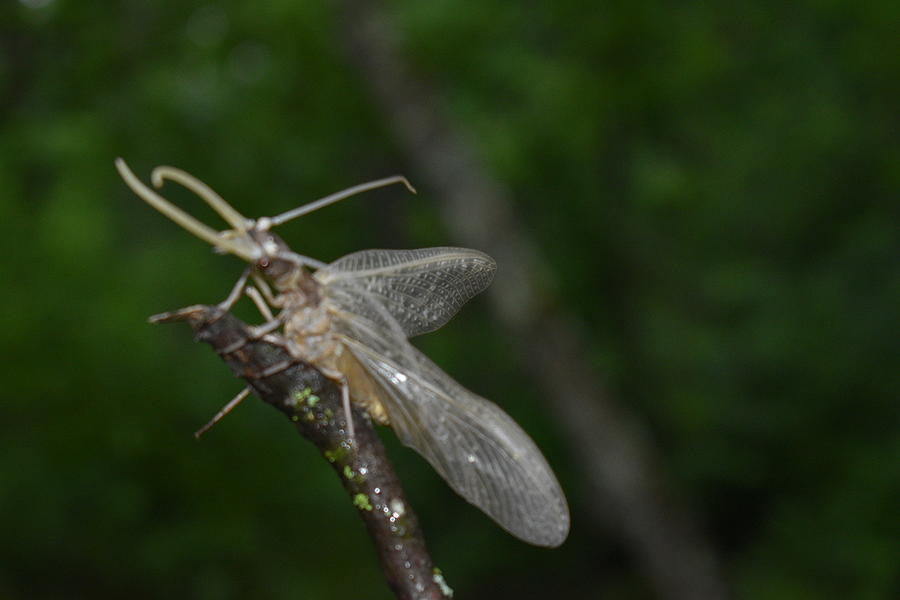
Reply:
x=715 y=189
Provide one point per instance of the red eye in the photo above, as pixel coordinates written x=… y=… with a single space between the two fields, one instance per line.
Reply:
x=262 y=263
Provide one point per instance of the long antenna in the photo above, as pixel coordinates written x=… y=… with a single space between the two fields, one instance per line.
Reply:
x=199 y=229
x=337 y=196
x=228 y=241
x=226 y=211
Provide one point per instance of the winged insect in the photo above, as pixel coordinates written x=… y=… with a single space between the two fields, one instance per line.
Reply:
x=352 y=320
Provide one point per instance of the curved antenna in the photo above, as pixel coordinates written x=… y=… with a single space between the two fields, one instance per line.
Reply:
x=238 y=221
x=331 y=199
x=238 y=246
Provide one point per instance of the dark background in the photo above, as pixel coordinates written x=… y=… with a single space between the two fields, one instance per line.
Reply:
x=714 y=193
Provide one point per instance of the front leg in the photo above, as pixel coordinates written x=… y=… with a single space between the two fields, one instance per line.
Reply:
x=276 y=301
x=260 y=303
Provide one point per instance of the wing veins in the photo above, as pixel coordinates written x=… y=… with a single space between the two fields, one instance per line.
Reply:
x=425 y=260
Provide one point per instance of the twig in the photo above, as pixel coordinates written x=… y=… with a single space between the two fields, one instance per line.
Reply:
x=313 y=403
x=607 y=442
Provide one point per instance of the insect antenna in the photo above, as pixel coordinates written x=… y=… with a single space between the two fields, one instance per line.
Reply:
x=236 y=241
x=199 y=229
x=337 y=196
x=215 y=201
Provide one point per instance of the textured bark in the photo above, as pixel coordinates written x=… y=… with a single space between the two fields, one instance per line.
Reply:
x=313 y=403
x=606 y=442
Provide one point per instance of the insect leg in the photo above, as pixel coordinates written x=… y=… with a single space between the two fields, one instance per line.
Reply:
x=256 y=333
x=345 y=399
x=268 y=326
x=263 y=286
x=225 y=410
x=260 y=303
x=342 y=381
x=227 y=212
x=235 y=294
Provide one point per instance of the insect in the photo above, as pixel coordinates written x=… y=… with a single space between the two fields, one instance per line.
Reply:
x=352 y=319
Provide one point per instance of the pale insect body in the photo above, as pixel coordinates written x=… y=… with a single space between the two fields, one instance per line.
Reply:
x=352 y=320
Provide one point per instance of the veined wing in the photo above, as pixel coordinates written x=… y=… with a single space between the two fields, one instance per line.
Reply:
x=476 y=447
x=421 y=289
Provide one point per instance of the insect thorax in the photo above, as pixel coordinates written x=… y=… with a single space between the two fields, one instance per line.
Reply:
x=312 y=338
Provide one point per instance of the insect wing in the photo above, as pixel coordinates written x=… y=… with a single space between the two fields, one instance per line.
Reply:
x=476 y=447
x=421 y=289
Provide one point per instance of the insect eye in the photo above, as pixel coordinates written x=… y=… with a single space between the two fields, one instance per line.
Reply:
x=263 y=263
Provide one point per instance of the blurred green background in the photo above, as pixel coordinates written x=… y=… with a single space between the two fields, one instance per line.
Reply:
x=715 y=189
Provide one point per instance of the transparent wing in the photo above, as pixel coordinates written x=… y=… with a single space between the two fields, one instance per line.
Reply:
x=476 y=447
x=422 y=289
